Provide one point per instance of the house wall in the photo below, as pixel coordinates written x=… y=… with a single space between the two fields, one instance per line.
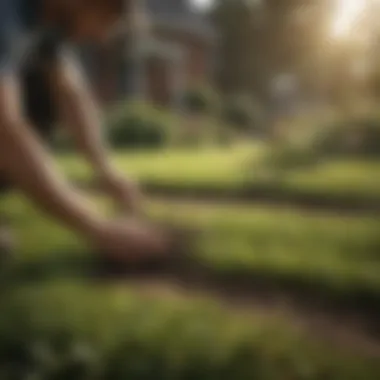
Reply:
x=158 y=81
x=99 y=66
x=197 y=58
x=113 y=76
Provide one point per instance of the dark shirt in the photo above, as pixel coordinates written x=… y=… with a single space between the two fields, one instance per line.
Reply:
x=22 y=36
x=26 y=47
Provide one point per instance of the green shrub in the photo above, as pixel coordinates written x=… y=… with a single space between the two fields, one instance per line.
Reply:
x=358 y=137
x=199 y=100
x=288 y=156
x=242 y=113
x=139 y=126
x=312 y=144
x=128 y=125
x=84 y=333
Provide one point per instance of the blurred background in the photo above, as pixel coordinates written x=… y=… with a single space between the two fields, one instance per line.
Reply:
x=257 y=122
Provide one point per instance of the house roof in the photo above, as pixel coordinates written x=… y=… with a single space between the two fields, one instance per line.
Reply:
x=180 y=15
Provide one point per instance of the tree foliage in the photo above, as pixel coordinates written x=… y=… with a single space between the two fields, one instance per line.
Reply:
x=261 y=39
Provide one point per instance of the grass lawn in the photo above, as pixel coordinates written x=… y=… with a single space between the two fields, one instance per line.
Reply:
x=336 y=258
x=332 y=257
x=339 y=177
x=72 y=330
x=335 y=254
x=234 y=168
x=216 y=168
x=55 y=319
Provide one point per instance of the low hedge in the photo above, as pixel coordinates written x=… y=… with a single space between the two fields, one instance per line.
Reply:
x=359 y=137
x=58 y=324
x=78 y=332
x=135 y=126
x=356 y=138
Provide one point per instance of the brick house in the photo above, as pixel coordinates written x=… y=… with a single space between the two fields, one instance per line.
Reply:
x=178 y=52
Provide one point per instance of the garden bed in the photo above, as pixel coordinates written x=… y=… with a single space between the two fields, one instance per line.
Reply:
x=57 y=321
x=236 y=175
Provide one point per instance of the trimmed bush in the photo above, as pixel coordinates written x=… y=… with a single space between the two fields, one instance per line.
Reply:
x=358 y=137
x=84 y=333
x=200 y=100
x=288 y=156
x=129 y=126
x=242 y=113
x=139 y=126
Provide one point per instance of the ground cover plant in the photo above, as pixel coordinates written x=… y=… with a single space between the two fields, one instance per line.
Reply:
x=56 y=322
x=240 y=169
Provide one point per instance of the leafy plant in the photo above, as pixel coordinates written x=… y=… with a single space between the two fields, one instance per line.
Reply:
x=243 y=113
x=201 y=99
x=139 y=126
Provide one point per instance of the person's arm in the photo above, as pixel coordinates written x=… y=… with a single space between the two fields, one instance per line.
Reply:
x=80 y=113
x=83 y=119
x=29 y=166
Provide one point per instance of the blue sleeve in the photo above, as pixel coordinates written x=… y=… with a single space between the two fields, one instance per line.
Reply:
x=10 y=27
x=5 y=51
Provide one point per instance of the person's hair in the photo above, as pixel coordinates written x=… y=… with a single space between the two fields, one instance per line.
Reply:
x=110 y=5
x=60 y=9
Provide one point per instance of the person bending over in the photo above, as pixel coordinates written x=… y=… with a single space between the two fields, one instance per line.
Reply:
x=40 y=32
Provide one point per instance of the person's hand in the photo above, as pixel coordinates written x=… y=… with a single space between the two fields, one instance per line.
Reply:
x=124 y=191
x=130 y=241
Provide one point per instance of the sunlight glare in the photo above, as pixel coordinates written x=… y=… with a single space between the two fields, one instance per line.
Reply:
x=347 y=13
x=202 y=4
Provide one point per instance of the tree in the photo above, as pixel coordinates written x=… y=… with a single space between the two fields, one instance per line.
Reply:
x=261 y=39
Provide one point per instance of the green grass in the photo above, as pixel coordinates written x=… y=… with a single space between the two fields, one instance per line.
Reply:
x=237 y=168
x=217 y=168
x=339 y=177
x=73 y=330
x=54 y=318
x=332 y=257
x=336 y=258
